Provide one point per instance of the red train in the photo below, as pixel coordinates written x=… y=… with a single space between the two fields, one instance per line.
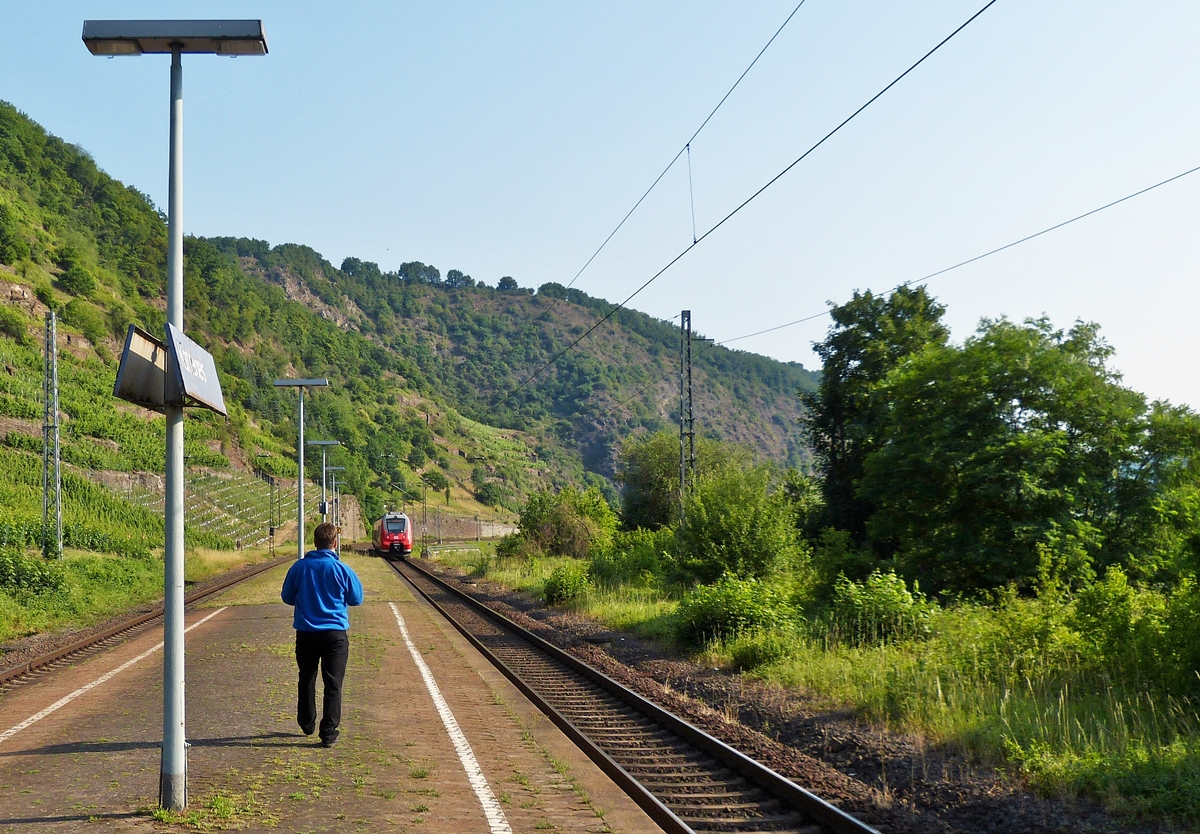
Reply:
x=393 y=534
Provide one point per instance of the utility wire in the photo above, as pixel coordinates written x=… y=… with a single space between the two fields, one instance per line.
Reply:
x=987 y=254
x=686 y=147
x=744 y=203
x=931 y=275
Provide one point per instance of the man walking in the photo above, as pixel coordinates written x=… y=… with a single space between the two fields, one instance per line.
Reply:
x=320 y=587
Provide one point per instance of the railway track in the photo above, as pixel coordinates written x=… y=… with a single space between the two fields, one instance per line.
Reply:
x=23 y=672
x=686 y=780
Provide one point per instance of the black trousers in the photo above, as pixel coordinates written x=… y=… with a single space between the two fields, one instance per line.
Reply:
x=330 y=649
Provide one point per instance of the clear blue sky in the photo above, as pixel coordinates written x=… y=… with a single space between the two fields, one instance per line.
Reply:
x=510 y=139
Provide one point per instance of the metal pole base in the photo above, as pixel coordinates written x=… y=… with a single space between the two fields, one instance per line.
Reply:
x=172 y=791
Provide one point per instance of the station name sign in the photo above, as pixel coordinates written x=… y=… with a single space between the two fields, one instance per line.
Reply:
x=179 y=372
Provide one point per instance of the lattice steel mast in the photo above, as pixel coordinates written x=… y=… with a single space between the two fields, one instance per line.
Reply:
x=687 y=434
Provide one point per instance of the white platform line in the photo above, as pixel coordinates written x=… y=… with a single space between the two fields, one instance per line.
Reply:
x=66 y=699
x=491 y=808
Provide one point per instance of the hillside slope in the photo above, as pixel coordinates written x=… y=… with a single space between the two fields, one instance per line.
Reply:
x=423 y=366
x=476 y=344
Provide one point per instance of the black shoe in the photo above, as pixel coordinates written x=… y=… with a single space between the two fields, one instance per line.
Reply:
x=310 y=729
x=329 y=741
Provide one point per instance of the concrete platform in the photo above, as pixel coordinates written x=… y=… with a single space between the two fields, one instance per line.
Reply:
x=92 y=763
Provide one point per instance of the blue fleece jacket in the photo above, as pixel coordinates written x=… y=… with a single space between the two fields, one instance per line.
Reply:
x=321 y=587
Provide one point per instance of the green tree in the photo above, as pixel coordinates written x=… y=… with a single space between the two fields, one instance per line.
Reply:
x=76 y=279
x=648 y=472
x=871 y=334
x=436 y=480
x=457 y=280
x=1018 y=448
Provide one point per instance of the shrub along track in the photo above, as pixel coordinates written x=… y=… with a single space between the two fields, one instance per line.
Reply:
x=69 y=650
x=685 y=779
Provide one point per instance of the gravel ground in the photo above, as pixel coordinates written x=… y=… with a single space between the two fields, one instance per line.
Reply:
x=891 y=781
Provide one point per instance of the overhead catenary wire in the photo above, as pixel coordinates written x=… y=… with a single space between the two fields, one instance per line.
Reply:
x=987 y=254
x=928 y=277
x=741 y=206
x=686 y=148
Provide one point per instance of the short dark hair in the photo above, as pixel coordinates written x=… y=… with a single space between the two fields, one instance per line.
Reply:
x=324 y=536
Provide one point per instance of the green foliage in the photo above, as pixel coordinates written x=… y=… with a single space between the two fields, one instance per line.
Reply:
x=749 y=650
x=803 y=492
x=1028 y=446
x=835 y=554
x=569 y=522
x=491 y=494
x=515 y=547
x=1181 y=639
x=77 y=279
x=19 y=572
x=45 y=294
x=85 y=316
x=649 y=475
x=436 y=480
x=880 y=610
x=13 y=245
x=15 y=325
x=733 y=525
x=732 y=606
x=566 y=583
x=637 y=558
x=870 y=336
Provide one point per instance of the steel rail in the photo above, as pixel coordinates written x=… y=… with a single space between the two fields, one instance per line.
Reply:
x=828 y=816
x=130 y=623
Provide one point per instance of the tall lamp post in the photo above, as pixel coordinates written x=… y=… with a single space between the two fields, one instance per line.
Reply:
x=174 y=38
x=300 y=385
x=324 y=444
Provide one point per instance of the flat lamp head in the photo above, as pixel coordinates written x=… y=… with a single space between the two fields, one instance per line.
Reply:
x=142 y=37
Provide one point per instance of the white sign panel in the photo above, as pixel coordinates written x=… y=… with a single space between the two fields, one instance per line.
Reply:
x=195 y=376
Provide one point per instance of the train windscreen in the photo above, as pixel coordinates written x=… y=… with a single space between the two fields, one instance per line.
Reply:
x=395 y=525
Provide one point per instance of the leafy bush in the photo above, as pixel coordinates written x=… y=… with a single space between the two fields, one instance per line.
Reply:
x=24 y=442
x=639 y=557
x=752 y=649
x=491 y=494
x=733 y=606
x=15 y=325
x=1120 y=624
x=85 y=316
x=515 y=547
x=834 y=554
x=77 y=280
x=880 y=609
x=648 y=472
x=569 y=522
x=566 y=583
x=733 y=525
x=1182 y=637
x=29 y=573
x=45 y=294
